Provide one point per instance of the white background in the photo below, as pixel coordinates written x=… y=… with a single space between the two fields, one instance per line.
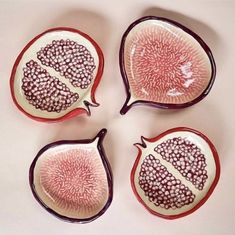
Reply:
x=105 y=21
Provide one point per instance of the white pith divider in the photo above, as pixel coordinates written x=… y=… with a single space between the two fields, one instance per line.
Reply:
x=211 y=171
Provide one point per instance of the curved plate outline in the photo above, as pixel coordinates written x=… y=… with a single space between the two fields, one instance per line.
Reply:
x=206 y=48
x=97 y=79
x=106 y=165
x=213 y=184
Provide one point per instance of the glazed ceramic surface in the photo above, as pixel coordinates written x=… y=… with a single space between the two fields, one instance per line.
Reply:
x=175 y=172
x=105 y=21
x=56 y=74
x=164 y=64
x=73 y=179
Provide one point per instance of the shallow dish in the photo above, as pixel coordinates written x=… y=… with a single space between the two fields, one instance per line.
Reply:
x=72 y=179
x=164 y=64
x=175 y=173
x=56 y=75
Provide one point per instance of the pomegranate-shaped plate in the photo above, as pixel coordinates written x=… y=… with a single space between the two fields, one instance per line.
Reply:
x=73 y=179
x=164 y=64
x=175 y=172
x=56 y=75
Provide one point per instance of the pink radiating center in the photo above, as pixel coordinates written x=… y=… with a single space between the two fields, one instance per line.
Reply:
x=75 y=180
x=163 y=65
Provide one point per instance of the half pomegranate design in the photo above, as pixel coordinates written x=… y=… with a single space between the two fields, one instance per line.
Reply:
x=73 y=179
x=164 y=64
x=56 y=75
x=175 y=173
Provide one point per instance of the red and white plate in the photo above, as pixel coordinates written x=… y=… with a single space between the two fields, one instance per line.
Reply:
x=175 y=173
x=56 y=75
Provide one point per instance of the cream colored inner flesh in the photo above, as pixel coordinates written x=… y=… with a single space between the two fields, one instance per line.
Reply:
x=48 y=200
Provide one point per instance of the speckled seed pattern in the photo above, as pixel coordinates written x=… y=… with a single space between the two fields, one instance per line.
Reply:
x=161 y=187
x=45 y=92
x=164 y=66
x=70 y=59
x=75 y=180
x=187 y=158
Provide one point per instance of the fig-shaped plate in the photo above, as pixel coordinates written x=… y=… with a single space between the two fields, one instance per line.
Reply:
x=175 y=173
x=56 y=75
x=72 y=179
x=164 y=64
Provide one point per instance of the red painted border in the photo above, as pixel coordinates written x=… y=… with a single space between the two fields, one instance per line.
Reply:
x=76 y=111
x=211 y=189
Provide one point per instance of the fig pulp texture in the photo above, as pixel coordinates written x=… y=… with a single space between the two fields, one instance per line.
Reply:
x=73 y=179
x=164 y=64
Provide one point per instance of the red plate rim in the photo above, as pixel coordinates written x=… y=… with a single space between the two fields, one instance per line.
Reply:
x=97 y=79
x=211 y=189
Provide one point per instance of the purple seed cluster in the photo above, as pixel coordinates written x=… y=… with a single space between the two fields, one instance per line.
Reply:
x=187 y=158
x=161 y=187
x=45 y=92
x=70 y=59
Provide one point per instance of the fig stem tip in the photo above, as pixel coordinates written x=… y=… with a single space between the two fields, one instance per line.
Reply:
x=101 y=134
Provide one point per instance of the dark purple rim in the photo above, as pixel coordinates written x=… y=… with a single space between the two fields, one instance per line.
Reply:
x=106 y=165
x=126 y=107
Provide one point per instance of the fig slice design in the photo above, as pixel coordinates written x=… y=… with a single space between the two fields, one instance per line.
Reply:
x=164 y=64
x=72 y=179
x=56 y=75
x=175 y=173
